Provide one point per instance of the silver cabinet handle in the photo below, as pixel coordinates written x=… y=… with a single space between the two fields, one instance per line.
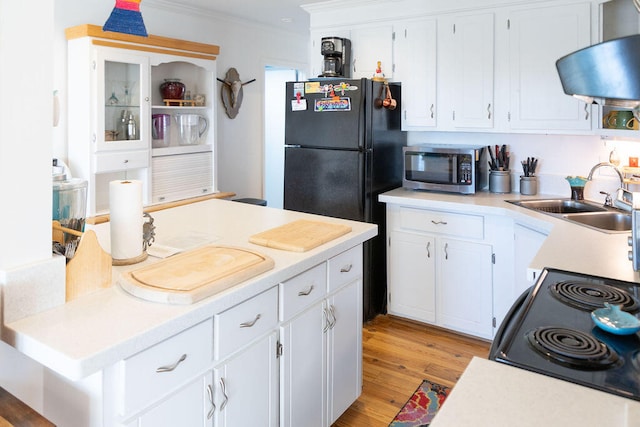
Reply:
x=439 y=222
x=170 y=368
x=428 y=249
x=489 y=111
x=446 y=251
x=332 y=312
x=251 y=323
x=224 y=393
x=432 y=107
x=327 y=323
x=213 y=405
x=346 y=268
x=307 y=292
x=586 y=111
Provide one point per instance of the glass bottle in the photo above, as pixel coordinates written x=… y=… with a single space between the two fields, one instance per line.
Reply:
x=132 y=131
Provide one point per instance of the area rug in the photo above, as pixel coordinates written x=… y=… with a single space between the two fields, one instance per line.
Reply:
x=422 y=406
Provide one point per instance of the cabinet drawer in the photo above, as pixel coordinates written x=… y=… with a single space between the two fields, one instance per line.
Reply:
x=148 y=375
x=449 y=223
x=112 y=162
x=245 y=322
x=345 y=268
x=302 y=291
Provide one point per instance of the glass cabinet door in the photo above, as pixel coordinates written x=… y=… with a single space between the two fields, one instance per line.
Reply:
x=122 y=116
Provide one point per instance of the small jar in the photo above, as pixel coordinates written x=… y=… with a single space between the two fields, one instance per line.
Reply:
x=499 y=181
x=528 y=185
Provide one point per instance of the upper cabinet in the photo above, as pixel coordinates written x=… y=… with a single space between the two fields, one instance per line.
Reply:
x=416 y=59
x=482 y=68
x=121 y=126
x=537 y=100
x=471 y=63
x=370 y=45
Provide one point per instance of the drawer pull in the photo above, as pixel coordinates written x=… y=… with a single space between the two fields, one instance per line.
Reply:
x=446 y=251
x=224 y=393
x=346 y=268
x=170 y=368
x=250 y=324
x=327 y=324
x=428 y=249
x=439 y=222
x=305 y=293
x=213 y=405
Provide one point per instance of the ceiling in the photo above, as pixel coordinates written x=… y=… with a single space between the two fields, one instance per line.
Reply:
x=284 y=14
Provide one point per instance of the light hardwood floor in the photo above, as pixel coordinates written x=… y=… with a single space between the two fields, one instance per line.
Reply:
x=398 y=354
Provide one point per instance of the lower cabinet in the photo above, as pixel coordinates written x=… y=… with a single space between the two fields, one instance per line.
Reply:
x=245 y=387
x=289 y=356
x=321 y=362
x=434 y=275
x=189 y=406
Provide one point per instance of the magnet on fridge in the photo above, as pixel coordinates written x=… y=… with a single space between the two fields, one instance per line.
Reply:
x=298 y=89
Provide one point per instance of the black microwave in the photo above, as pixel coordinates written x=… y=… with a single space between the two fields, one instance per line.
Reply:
x=449 y=168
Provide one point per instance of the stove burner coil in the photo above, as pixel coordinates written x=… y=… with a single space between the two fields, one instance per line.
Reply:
x=572 y=348
x=590 y=296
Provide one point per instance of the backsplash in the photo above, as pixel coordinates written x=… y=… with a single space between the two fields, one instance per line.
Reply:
x=560 y=156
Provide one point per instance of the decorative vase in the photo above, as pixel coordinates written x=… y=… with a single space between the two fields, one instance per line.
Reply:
x=172 y=89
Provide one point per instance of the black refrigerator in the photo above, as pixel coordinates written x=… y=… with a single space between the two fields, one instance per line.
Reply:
x=343 y=147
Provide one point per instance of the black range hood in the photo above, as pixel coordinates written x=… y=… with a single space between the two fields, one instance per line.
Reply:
x=607 y=73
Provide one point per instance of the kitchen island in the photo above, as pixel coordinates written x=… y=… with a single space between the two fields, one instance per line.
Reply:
x=494 y=394
x=98 y=349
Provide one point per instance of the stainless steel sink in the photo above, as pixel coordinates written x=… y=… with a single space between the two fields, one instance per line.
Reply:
x=581 y=212
x=612 y=221
x=559 y=206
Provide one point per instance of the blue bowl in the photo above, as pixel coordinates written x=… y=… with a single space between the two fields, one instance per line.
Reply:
x=612 y=319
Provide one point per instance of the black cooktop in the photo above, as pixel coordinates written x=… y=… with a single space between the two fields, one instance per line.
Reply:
x=551 y=332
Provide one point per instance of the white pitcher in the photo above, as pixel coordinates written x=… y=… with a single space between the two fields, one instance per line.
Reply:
x=191 y=127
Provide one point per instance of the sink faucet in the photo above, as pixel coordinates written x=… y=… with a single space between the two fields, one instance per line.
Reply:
x=603 y=164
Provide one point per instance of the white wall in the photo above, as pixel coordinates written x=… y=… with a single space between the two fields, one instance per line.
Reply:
x=242 y=46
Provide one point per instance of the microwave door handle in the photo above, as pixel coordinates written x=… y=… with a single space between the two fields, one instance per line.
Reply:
x=454 y=165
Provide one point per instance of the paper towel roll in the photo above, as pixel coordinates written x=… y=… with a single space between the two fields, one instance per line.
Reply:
x=125 y=206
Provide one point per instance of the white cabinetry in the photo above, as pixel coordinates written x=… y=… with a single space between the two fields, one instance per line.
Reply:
x=146 y=383
x=416 y=59
x=113 y=91
x=370 y=44
x=440 y=260
x=412 y=291
x=527 y=242
x=537 y=100
x=321 y=365
x=467 y=69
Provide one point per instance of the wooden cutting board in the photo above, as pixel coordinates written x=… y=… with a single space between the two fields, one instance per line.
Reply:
x=193 y=275
x=300 y=236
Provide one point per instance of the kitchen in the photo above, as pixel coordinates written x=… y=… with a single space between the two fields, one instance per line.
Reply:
x=20 y=159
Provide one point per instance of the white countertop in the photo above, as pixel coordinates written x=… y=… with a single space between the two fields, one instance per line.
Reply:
x=85 y=335
x=492 y=394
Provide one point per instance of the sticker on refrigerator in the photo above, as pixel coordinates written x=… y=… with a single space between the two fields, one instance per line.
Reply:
x=298 y=105
x=332 y=104
x=298 y=90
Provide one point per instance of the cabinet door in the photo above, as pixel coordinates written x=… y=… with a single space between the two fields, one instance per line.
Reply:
x=464 y=291
x=412 y=276
x=344 y=336
x=189 y=406
x=527 y=242
x=121 y=100
x=415 y=58
x=246 y=387
x=302 y=369
x=370 y=45
x=473 y=48
x=537 y=98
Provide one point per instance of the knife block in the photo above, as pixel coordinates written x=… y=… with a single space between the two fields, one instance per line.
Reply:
x=90 y=268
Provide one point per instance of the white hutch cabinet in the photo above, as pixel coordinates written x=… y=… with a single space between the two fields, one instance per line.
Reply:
x=114 y=82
